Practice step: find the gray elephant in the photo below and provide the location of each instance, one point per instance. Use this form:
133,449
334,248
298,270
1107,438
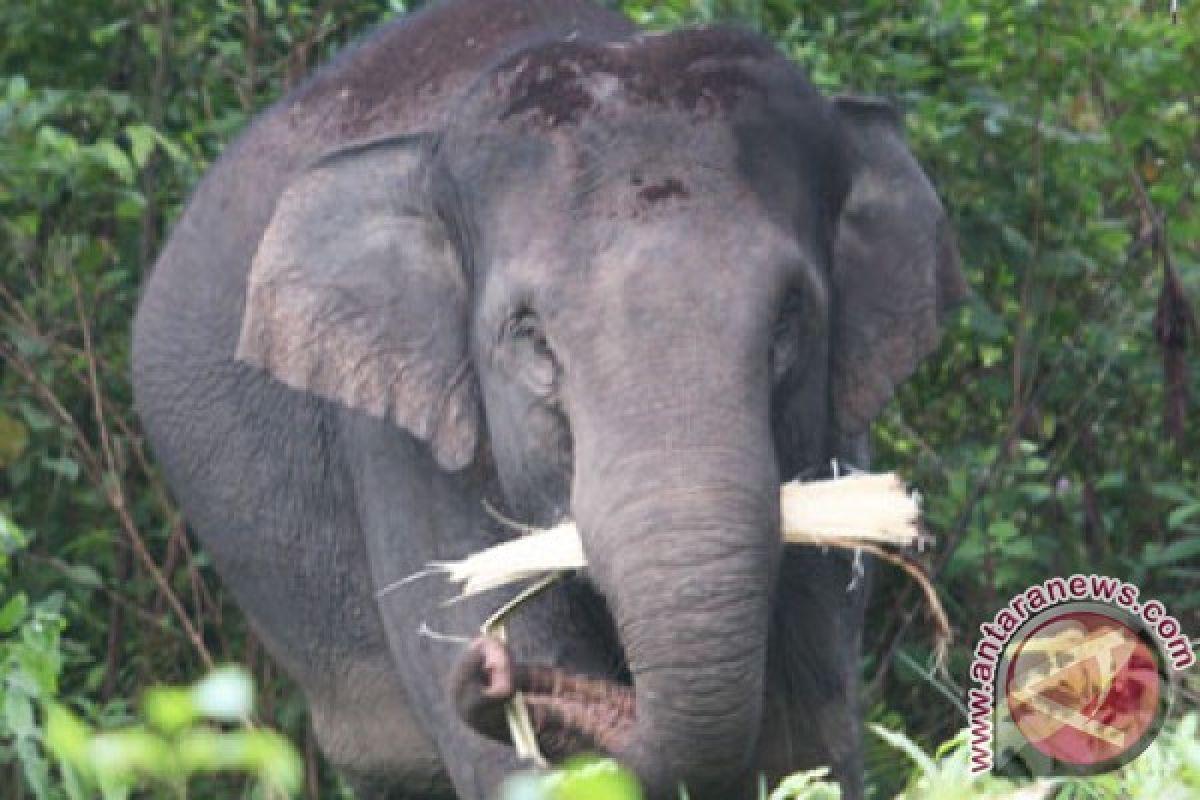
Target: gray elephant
517,252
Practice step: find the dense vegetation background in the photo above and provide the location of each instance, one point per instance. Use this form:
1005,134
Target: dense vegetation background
1056,432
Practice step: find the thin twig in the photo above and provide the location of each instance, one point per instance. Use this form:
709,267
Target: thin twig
21,319
150,217
122,569
1022,331
1174,320
248,87
298,56
112,490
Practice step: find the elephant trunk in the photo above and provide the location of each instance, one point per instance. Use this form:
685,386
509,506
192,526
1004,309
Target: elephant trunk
683,544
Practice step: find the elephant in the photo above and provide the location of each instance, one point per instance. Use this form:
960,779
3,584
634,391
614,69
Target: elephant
519,254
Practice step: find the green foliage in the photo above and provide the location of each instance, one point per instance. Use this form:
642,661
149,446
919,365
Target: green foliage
604,779
61,756
1169,769
175,743
1055,134
579,779
810,785
31,663
1062,137
109,114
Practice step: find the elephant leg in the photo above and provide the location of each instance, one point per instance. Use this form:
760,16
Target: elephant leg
364,726
814,670
367,787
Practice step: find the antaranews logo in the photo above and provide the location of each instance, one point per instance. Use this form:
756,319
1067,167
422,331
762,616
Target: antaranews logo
1073,677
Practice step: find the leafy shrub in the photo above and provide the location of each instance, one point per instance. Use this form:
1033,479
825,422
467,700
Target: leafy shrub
186,732
1169,769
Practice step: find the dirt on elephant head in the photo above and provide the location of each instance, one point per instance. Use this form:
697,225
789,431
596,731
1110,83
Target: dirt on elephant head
558,84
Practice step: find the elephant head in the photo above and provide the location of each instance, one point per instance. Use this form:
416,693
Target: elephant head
642,282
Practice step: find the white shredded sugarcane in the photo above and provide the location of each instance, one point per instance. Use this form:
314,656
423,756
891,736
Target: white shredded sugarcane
850,511
557,549
856,508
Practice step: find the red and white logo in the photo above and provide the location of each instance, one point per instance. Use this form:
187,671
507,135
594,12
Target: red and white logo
1073,676
1084,688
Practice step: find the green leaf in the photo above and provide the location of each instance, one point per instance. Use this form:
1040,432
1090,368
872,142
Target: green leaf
66,735
71,782
18,713
85,575
34,767
12,538
1177,552
1036,492
169,709
36,419
118,756
66,467
1175,492
173,150
1177,518
1002,529
131,205
587,778
985,322
142,141
57,144
907,746
106,33
276,762
14,438
115,159
812,784
18,88
13,612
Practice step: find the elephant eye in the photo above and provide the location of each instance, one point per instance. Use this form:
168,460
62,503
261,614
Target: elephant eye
525,328
535,362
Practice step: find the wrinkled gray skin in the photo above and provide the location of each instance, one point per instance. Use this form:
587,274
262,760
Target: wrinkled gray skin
519,251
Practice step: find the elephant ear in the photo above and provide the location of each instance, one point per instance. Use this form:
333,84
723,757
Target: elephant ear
896,268
357,294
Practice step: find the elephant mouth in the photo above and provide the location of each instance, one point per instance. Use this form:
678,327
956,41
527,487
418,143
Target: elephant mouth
570,713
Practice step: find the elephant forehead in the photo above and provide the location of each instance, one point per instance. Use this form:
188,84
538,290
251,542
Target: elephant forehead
562,84
587,184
